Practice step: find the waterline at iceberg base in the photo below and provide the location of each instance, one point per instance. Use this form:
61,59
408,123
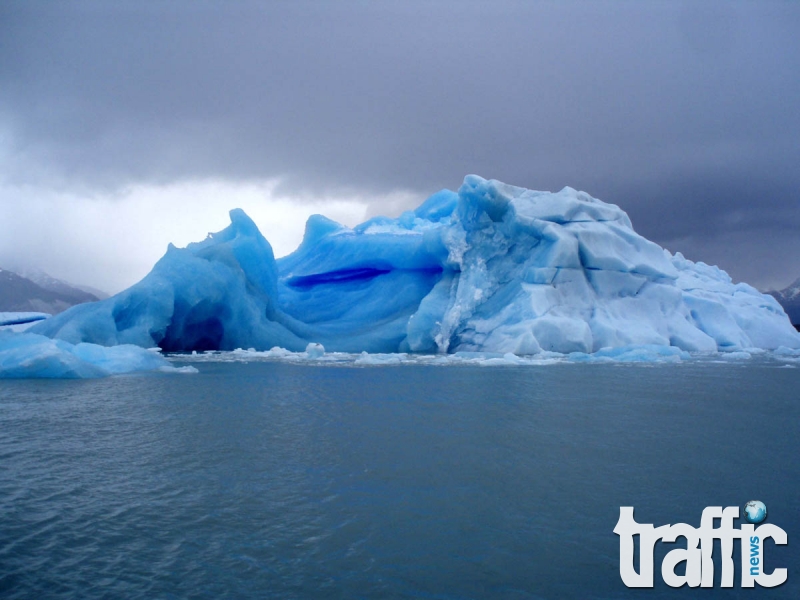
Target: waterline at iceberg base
491,268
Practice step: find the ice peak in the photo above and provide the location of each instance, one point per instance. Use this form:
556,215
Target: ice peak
243,224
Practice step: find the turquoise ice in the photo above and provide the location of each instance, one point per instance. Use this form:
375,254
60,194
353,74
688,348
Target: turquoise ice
491,268
26,355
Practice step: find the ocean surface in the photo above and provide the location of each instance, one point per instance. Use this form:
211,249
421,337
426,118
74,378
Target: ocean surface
267,479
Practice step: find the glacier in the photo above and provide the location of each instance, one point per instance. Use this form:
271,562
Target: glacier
491,268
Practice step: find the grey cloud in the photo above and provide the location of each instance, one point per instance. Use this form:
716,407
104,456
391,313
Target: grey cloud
682,113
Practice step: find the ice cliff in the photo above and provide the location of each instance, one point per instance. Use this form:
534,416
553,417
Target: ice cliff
491,268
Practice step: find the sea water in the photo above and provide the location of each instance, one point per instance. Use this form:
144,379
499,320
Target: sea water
268,479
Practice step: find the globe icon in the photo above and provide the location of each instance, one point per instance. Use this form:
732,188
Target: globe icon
755,511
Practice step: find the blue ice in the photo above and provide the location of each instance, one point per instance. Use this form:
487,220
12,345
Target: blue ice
490,268
9,319
27,355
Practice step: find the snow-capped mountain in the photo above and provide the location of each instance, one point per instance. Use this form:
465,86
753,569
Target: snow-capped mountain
789,298
47,295
44,280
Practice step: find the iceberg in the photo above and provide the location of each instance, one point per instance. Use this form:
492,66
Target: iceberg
491,268
27,355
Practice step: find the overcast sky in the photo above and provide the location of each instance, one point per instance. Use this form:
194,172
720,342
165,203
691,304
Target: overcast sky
124,126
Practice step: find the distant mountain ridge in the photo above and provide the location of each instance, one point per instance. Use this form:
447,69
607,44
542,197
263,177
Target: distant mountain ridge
44,294
44,280
789,298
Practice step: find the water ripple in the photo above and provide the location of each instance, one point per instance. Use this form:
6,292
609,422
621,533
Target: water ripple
292,481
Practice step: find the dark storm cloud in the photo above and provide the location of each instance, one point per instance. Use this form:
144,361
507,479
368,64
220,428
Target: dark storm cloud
683,114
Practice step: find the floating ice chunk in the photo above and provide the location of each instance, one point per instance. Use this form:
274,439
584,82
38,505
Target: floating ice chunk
633,354
315,350
784,351
278,352
491,268
737,355
508,358
27,355
379,359
186,370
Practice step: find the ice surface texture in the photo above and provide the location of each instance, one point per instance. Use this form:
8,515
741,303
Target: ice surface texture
24,355
492,268
8,319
